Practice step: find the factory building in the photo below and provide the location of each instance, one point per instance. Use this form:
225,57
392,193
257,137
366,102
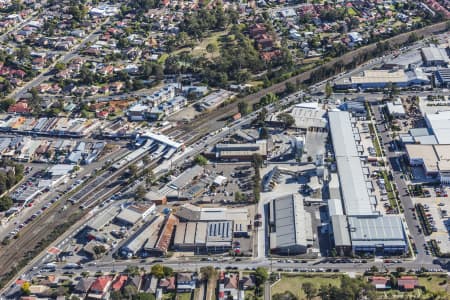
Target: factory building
443,77
439,124
433,56
242,152
308,116
396,109
204,237
292,227
380,235
380,79
357,226
130,215
435,160
209,229
355,194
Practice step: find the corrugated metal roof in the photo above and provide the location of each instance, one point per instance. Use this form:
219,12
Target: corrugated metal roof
292,222
340,230
387,230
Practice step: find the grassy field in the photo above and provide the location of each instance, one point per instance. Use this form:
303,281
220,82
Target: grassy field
200,49
294,283
434,283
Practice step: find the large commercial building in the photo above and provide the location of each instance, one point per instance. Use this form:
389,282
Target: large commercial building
435,160
357,226
443,77
433,56
379,79
307,116
355,194
209,229
439,124
239,151
292,225
380,234
204,237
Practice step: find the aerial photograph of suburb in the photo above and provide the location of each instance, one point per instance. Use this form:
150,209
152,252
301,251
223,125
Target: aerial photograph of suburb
224,149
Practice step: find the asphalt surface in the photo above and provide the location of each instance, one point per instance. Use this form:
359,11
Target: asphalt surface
405,200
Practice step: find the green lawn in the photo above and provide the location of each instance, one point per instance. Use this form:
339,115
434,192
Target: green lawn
177,296
293,283
184,296
200,49
435,283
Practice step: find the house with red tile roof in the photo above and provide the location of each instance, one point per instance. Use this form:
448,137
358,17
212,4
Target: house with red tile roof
99,289
407,283
20,107
119,282
380,282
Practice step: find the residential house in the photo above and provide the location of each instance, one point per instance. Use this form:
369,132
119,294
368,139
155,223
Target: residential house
134,281
407,283
20,107
167,284
149,284
185,282
82,287
119,283
100,288
228,286
380,282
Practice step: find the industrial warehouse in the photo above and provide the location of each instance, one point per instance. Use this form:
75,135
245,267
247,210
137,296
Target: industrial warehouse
380,79
210,229
293,229
357,226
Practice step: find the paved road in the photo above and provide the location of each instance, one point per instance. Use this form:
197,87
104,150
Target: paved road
406,201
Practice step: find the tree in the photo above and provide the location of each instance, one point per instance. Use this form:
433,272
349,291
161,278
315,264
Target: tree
262,114
60,66
116,295
373,269
238,197
288,295
129,291
5,104
328,89
261,275
287,119
25,288
5,203
168,271
133,169
157,271
309,289
211,48
243,108
290,88
132,270
144,296
200,160
400,269
140,192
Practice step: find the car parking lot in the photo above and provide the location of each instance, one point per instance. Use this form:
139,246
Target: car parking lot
239,180
436,213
